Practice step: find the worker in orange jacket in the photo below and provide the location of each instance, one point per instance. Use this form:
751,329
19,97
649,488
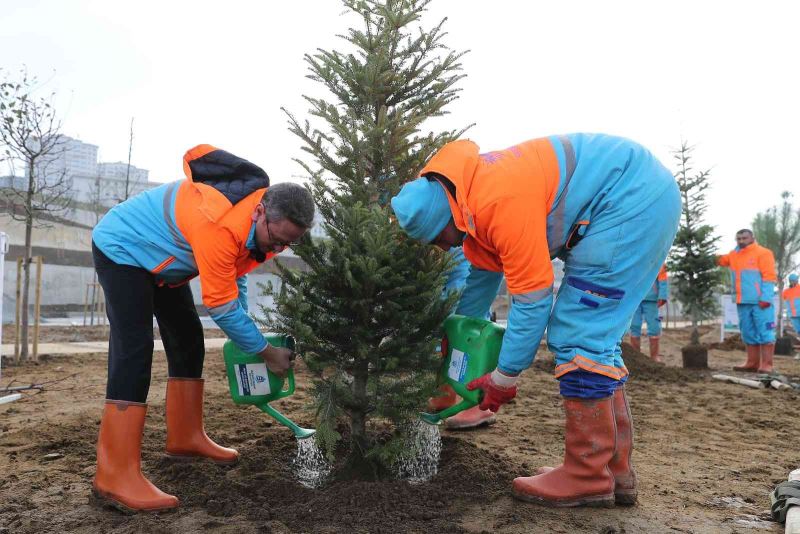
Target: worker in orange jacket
792,298
220,223
610,210
648,311
753,280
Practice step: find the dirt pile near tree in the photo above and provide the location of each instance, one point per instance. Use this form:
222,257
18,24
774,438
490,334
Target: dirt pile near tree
730,343
639,365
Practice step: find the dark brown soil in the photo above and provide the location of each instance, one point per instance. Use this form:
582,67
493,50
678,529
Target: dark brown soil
695,357
707,455
784,346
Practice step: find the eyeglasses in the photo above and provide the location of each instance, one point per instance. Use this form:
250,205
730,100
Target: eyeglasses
282,244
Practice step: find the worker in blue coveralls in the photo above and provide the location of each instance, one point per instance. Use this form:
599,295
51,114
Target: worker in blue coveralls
647,311
792,298
610,210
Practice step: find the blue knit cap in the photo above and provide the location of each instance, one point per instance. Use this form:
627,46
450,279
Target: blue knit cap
793,277
422,209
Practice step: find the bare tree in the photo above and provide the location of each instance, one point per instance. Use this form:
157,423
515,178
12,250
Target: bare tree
128,169
778,229
31,140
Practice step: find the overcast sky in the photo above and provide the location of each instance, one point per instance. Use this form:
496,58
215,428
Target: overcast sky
722,74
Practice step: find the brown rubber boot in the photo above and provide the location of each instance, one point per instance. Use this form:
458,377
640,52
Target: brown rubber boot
584,479
625,491
767,353
119,480
446,398
625,487
753,359
636,343
654,343
186,437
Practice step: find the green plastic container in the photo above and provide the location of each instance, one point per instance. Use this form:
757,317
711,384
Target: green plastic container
250,381
471,348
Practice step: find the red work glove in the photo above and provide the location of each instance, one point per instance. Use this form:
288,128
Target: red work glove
661,302
494,396
762,304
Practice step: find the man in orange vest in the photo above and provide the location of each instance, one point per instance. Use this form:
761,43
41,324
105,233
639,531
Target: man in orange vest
220,223
753,280
648,311
792,298
610,210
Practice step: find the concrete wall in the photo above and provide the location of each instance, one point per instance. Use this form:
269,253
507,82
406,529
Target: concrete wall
64,290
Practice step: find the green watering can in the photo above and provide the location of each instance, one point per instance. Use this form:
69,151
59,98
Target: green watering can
471,348
251,382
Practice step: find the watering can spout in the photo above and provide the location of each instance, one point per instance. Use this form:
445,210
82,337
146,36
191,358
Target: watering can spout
436,418
430,418
298,431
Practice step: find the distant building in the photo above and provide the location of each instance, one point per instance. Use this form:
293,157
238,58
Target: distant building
119,169
72,157
96,184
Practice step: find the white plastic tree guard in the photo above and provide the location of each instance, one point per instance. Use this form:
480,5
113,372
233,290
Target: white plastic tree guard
793,514
3,252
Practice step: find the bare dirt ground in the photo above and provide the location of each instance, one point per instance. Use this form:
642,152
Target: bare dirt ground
59,333
707,454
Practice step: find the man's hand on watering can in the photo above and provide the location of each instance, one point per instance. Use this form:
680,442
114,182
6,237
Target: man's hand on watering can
278,359
498,388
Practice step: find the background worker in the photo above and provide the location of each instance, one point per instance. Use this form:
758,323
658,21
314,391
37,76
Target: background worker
220,223
610,210
792,298
649,311
753,279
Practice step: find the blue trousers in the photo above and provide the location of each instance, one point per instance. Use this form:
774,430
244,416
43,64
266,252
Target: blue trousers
756,325
607,275
647,311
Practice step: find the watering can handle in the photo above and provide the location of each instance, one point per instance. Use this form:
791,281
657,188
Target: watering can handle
290,389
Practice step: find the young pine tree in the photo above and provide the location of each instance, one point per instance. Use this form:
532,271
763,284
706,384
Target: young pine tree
692,260
368,310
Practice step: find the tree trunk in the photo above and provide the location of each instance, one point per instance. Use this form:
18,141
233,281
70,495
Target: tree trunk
26,263
695,337
359,442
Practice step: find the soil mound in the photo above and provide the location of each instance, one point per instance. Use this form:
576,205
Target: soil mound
641,367
731,343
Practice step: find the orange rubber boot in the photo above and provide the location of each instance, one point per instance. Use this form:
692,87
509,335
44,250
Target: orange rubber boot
186,437
119,480
767,353
654,343
471,418
584,479
444,400
636,343
753,359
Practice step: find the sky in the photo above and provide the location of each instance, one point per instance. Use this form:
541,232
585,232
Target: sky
721,74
